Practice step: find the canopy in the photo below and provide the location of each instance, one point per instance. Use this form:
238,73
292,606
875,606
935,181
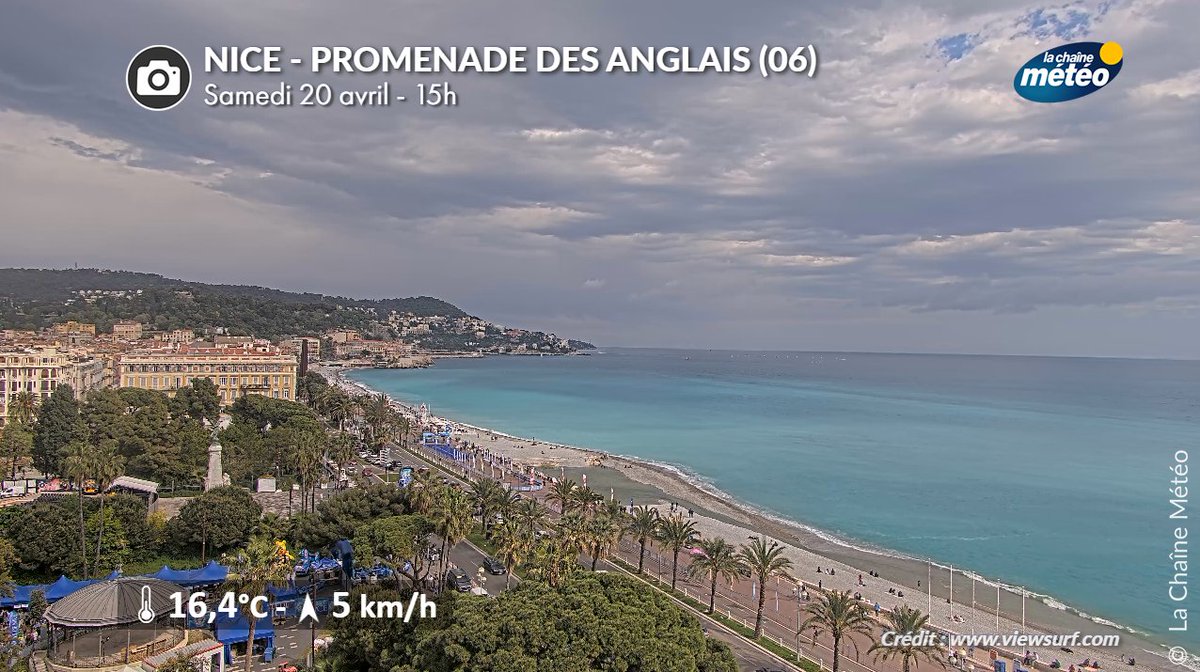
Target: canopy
284,593
20,596
64,587
211,573
234,630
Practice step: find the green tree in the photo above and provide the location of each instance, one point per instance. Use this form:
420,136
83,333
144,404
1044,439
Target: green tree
840,615
720,560
676,533
764,561
22,409
251,570
643,526
198,401
905,620
58,426
37,605
340,515
16,443
46,538
110,535
488,496
400,543
107,466
514,543
531,513
77,466
562,492
8,560
592,622
602,534
218,519
452,521
179,664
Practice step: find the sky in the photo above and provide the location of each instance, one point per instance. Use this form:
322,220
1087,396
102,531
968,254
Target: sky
904,199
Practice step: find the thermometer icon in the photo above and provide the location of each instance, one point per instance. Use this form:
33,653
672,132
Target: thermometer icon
146,613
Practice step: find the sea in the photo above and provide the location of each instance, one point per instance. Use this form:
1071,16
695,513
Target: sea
1048,473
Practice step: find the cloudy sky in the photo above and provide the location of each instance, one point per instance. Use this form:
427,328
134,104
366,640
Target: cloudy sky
903,200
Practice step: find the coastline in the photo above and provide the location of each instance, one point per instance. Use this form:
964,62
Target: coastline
721,514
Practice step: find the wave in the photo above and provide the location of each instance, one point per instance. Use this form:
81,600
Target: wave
706,485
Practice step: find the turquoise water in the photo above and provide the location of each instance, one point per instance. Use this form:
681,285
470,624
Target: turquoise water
1050,473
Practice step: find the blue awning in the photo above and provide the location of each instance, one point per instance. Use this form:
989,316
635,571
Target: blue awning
235,630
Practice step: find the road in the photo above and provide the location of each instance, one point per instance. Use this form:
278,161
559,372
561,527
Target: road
749,656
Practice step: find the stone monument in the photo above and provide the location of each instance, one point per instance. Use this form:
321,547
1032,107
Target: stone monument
216,473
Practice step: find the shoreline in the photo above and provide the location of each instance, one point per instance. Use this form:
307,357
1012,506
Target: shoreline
721,514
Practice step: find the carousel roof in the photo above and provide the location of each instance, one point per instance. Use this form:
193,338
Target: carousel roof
113,602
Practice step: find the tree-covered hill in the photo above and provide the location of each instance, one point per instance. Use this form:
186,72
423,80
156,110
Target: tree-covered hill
36,298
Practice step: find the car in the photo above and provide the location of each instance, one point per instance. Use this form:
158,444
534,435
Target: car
458,580
9,492
493,566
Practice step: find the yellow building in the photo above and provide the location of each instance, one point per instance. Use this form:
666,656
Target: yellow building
236,371
73,327
39,370
127,331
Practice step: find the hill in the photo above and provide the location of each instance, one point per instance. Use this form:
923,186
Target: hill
37,298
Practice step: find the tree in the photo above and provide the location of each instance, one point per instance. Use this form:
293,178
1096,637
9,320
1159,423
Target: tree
719,560
452,520
592,622
251,570
199,401
601,535
675,533
77,466
514,543
16,443
488,495
562,493
37,605
58,426
179,664
107,466
531,513
905,620
110,535
340,515
22,409
643,526
8,560
400,543
220,519
46,538
764,562
840,615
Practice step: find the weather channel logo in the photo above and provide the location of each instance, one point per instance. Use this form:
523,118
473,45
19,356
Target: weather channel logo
1069,72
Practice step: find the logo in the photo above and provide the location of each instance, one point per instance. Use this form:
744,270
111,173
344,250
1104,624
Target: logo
1069,72
158,78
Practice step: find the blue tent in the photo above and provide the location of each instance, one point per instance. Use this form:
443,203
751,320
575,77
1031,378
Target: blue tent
179,576
63,587
20,596
235,630
212,573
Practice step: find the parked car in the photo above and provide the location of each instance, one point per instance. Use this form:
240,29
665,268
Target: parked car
9,492
458,580
493,566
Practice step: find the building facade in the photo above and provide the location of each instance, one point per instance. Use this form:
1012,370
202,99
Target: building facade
127,331
39,370
236,371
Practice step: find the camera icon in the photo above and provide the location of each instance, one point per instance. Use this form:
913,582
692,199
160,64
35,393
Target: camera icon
158,77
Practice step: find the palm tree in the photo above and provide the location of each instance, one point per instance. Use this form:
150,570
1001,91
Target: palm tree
720,559
452,520
764,562
514,543
555,558
307,457
675,533
22,409
643,526
337,406
251,569
531,513
586,500
905,620
840,615
341,449
107,466
487,495
602,534
562,493
77,466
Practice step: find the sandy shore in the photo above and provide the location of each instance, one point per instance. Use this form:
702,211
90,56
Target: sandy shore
717,514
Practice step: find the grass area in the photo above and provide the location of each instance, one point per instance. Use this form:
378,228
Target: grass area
736,626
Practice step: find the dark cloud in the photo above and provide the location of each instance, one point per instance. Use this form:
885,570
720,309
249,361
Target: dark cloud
906,187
